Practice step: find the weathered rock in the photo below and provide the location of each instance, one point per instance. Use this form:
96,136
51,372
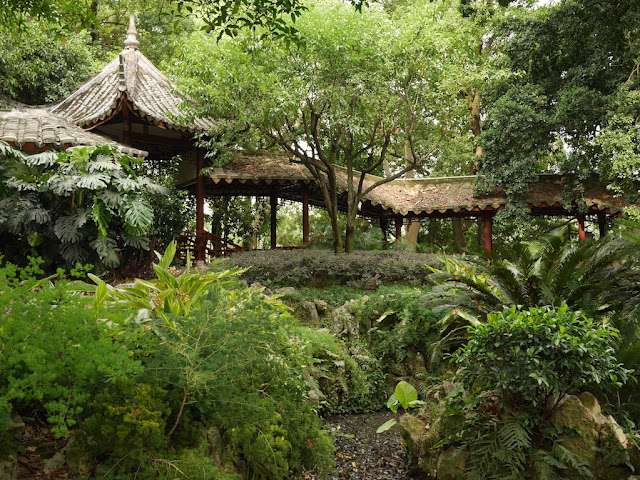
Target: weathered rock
588,400
54,463
261,288
16,424
314,397
9,467
581,428
286,291
412,430
614,443
451,463
306,312
321,306
344,323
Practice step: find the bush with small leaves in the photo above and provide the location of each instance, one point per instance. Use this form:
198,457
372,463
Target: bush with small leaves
532,358
366,269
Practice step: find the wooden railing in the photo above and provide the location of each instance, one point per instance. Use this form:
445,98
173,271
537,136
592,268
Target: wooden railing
211,245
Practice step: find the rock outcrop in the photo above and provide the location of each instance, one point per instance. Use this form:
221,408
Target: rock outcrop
586,433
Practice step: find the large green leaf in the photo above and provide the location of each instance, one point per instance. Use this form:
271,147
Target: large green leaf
137,215
406,394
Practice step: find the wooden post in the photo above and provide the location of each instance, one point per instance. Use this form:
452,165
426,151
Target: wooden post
200,243
274,219
305,214
488,237
384,225
399,220
582,235
602,224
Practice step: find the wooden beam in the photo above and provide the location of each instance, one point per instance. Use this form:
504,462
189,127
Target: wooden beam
126,121
200,252
305,214
159,140
274,219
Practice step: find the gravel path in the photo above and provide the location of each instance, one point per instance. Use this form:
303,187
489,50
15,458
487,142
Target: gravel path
361,454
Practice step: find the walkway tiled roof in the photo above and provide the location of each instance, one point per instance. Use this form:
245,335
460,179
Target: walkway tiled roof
152,95
415,197
42,128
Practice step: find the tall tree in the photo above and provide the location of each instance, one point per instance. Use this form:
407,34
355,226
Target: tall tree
572,59
358,90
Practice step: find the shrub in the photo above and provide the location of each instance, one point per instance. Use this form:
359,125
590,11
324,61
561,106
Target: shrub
55,350
323,267
532,358
516,368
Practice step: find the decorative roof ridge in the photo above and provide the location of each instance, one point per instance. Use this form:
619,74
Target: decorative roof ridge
132,35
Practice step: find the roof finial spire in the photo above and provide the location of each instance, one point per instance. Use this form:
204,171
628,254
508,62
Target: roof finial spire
132,35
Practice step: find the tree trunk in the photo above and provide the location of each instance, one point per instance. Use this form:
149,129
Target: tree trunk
458,235
350,238
474,107
411,233
413,226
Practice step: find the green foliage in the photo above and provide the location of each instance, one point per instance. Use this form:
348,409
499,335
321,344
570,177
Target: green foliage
567,109
39,66
168,297
530,359
347,379
591,276
322,267
55,350
128,421
405,396
71,207
231,363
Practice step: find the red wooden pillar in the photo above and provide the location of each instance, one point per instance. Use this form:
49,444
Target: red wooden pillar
602,224
399,221
274,219
305,214
487,222
200,233
582,235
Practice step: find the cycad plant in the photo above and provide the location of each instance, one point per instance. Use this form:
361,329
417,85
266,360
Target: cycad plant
589,276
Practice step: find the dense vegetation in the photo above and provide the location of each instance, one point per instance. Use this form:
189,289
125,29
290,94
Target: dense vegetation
227,373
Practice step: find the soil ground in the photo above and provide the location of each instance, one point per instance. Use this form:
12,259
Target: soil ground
361,453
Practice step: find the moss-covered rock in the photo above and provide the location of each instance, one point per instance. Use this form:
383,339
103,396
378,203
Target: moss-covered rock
452,463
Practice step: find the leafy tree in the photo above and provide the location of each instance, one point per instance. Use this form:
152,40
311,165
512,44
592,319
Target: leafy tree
573,60
38,66
358,91
84,204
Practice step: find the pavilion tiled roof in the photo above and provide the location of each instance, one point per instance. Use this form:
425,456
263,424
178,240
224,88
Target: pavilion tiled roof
151,94
42,128
415,197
